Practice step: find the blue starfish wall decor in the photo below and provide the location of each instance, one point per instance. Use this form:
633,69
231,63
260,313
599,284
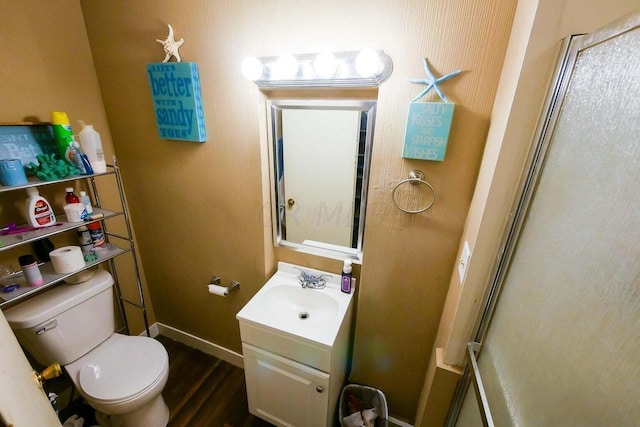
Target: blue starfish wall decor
432,82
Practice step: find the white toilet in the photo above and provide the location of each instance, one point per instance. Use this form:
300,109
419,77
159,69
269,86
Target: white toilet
121,376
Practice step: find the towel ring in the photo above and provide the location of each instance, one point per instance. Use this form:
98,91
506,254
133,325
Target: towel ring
416,177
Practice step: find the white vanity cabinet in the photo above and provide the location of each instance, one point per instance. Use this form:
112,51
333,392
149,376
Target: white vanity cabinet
283,391
117,244
296,350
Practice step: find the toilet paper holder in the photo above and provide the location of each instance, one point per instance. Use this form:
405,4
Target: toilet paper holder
215,280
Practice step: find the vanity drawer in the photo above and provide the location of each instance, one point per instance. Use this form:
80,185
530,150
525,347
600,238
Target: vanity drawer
302,351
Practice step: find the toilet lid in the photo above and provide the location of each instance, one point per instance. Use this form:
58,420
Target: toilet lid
122,367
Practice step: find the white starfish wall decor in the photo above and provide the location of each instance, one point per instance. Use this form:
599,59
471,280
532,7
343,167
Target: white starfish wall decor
171,46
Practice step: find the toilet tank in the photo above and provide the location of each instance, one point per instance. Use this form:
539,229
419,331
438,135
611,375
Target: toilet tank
64,323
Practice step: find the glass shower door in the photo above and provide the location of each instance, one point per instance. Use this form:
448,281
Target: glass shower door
562,347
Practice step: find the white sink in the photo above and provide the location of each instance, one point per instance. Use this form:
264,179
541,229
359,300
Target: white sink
282,304
297,304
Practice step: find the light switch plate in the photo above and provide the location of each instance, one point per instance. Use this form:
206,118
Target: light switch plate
463,261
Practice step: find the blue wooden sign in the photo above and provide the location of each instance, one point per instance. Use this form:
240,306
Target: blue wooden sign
25,141
428,125
175,91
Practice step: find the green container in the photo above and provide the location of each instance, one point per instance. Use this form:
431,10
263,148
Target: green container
62,133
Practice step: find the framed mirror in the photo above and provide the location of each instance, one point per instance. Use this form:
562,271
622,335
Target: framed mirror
320,159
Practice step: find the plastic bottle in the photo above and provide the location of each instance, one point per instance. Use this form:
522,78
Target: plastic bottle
97,236
79,158
92,146
62,133
86,201
30,270
84,238
70,197
345,284
39,211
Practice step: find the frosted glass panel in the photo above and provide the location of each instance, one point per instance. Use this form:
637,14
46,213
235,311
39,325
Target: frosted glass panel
469,413
563,348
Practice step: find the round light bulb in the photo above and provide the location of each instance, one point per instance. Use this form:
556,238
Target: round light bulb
325,65
252,68
285,68
368,63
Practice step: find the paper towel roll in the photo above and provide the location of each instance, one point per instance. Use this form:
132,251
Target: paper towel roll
67,259
219,290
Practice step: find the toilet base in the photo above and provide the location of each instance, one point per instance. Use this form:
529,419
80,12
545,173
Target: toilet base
153,414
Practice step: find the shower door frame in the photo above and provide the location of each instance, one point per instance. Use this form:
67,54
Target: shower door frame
569,52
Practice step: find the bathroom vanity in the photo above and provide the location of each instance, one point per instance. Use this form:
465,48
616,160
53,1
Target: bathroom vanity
295,343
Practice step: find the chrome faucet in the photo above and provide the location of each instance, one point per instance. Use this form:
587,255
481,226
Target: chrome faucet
308,280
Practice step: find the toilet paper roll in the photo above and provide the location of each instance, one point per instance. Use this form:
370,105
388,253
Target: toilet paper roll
221,291
67,259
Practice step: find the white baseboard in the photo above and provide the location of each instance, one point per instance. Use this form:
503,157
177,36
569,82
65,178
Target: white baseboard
398,422
153,331
197,343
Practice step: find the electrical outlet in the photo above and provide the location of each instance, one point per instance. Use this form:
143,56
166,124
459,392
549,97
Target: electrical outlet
463,261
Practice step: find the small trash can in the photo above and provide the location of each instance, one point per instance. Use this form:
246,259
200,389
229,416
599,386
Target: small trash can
361,398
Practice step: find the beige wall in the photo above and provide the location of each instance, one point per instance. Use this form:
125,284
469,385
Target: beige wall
198,208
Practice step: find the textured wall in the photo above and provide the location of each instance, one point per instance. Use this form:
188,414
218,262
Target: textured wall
198,208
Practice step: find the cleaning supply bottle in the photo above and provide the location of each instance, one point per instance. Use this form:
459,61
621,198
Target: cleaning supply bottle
97,236
80,159
345,284
86,201
62,133
92,146
86,243
70,197
39,211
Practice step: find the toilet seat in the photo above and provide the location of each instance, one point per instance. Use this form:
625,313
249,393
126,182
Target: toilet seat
120,369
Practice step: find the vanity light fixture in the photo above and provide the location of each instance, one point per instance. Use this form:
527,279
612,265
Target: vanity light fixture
366,68
325,65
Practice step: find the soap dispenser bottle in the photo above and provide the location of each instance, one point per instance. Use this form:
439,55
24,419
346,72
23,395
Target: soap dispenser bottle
80,159
345,284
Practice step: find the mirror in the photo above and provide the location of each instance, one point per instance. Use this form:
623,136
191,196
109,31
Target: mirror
320,156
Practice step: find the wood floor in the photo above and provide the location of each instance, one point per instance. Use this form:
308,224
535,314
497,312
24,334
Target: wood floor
205,391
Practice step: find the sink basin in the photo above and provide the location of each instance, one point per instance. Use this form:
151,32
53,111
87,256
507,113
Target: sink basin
283,305
297,304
